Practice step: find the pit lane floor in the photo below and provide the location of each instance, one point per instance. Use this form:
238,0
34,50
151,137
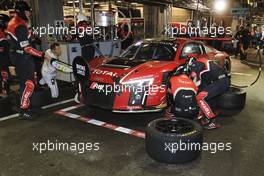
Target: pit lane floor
124,155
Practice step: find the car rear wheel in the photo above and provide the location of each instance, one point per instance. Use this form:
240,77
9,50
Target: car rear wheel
166,140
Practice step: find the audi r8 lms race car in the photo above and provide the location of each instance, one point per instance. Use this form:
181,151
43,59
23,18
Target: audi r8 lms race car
137,80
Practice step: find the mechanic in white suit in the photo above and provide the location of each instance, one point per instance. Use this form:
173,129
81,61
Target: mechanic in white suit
50,67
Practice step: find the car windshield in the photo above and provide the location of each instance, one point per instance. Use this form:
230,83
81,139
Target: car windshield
160,51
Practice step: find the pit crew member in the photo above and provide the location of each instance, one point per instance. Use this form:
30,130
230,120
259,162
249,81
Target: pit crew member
85,38
21,54
212,81
50,67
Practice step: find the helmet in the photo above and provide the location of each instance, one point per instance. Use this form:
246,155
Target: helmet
21,7
4,19
81,17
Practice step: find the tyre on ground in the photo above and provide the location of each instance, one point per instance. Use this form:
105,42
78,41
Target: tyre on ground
174,141
233,99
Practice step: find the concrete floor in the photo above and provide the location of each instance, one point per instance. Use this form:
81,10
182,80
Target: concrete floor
124,155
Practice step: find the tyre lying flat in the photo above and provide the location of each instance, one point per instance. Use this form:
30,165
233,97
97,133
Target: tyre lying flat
164,138
233,99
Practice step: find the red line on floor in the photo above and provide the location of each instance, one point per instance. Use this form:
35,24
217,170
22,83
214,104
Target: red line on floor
99,123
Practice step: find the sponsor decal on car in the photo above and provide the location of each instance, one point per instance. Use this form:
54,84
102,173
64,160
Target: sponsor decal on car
104,72
96,86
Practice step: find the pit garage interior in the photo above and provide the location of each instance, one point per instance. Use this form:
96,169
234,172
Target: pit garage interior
78,139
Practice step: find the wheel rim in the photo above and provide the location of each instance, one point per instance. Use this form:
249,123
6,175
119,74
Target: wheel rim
177,126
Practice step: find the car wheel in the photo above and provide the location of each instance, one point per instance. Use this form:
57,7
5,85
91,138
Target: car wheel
5,106
164,138
233,99
81,70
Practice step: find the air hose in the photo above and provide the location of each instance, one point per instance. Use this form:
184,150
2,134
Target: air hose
258,76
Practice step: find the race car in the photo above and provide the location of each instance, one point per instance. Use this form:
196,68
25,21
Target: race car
137,80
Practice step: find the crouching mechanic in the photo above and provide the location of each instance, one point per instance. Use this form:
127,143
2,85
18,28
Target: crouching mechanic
50,67
212,80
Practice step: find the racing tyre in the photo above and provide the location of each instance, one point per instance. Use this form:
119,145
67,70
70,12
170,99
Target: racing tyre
5,106
233,99
81,70
169,141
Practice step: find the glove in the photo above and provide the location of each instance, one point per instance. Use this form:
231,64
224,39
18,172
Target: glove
61,67
195,78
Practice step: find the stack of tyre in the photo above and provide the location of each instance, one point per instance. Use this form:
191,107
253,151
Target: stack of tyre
179,140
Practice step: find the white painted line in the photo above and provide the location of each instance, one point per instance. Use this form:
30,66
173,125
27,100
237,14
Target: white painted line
9,117
124,130
106,125
96,122
241,74
58,103
73,116
43,107
71,108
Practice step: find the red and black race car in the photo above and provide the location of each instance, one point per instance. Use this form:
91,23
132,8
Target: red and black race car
136,81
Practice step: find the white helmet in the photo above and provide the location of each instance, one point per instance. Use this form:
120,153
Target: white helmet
81,17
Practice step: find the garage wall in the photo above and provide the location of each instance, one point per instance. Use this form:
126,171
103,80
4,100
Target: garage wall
151,17
44,14
180,15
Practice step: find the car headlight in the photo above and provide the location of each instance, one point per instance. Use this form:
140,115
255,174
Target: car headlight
138,91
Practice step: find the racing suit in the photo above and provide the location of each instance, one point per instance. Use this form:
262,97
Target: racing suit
86,41
49,72
21,55
212,81
184,93
4,62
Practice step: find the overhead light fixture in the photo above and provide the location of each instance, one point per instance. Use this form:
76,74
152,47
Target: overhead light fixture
88,3
71,2
220,6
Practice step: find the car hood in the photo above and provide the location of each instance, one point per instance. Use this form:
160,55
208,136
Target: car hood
121,70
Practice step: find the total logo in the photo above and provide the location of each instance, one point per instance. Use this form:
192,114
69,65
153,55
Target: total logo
205,108
106,73
97,86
